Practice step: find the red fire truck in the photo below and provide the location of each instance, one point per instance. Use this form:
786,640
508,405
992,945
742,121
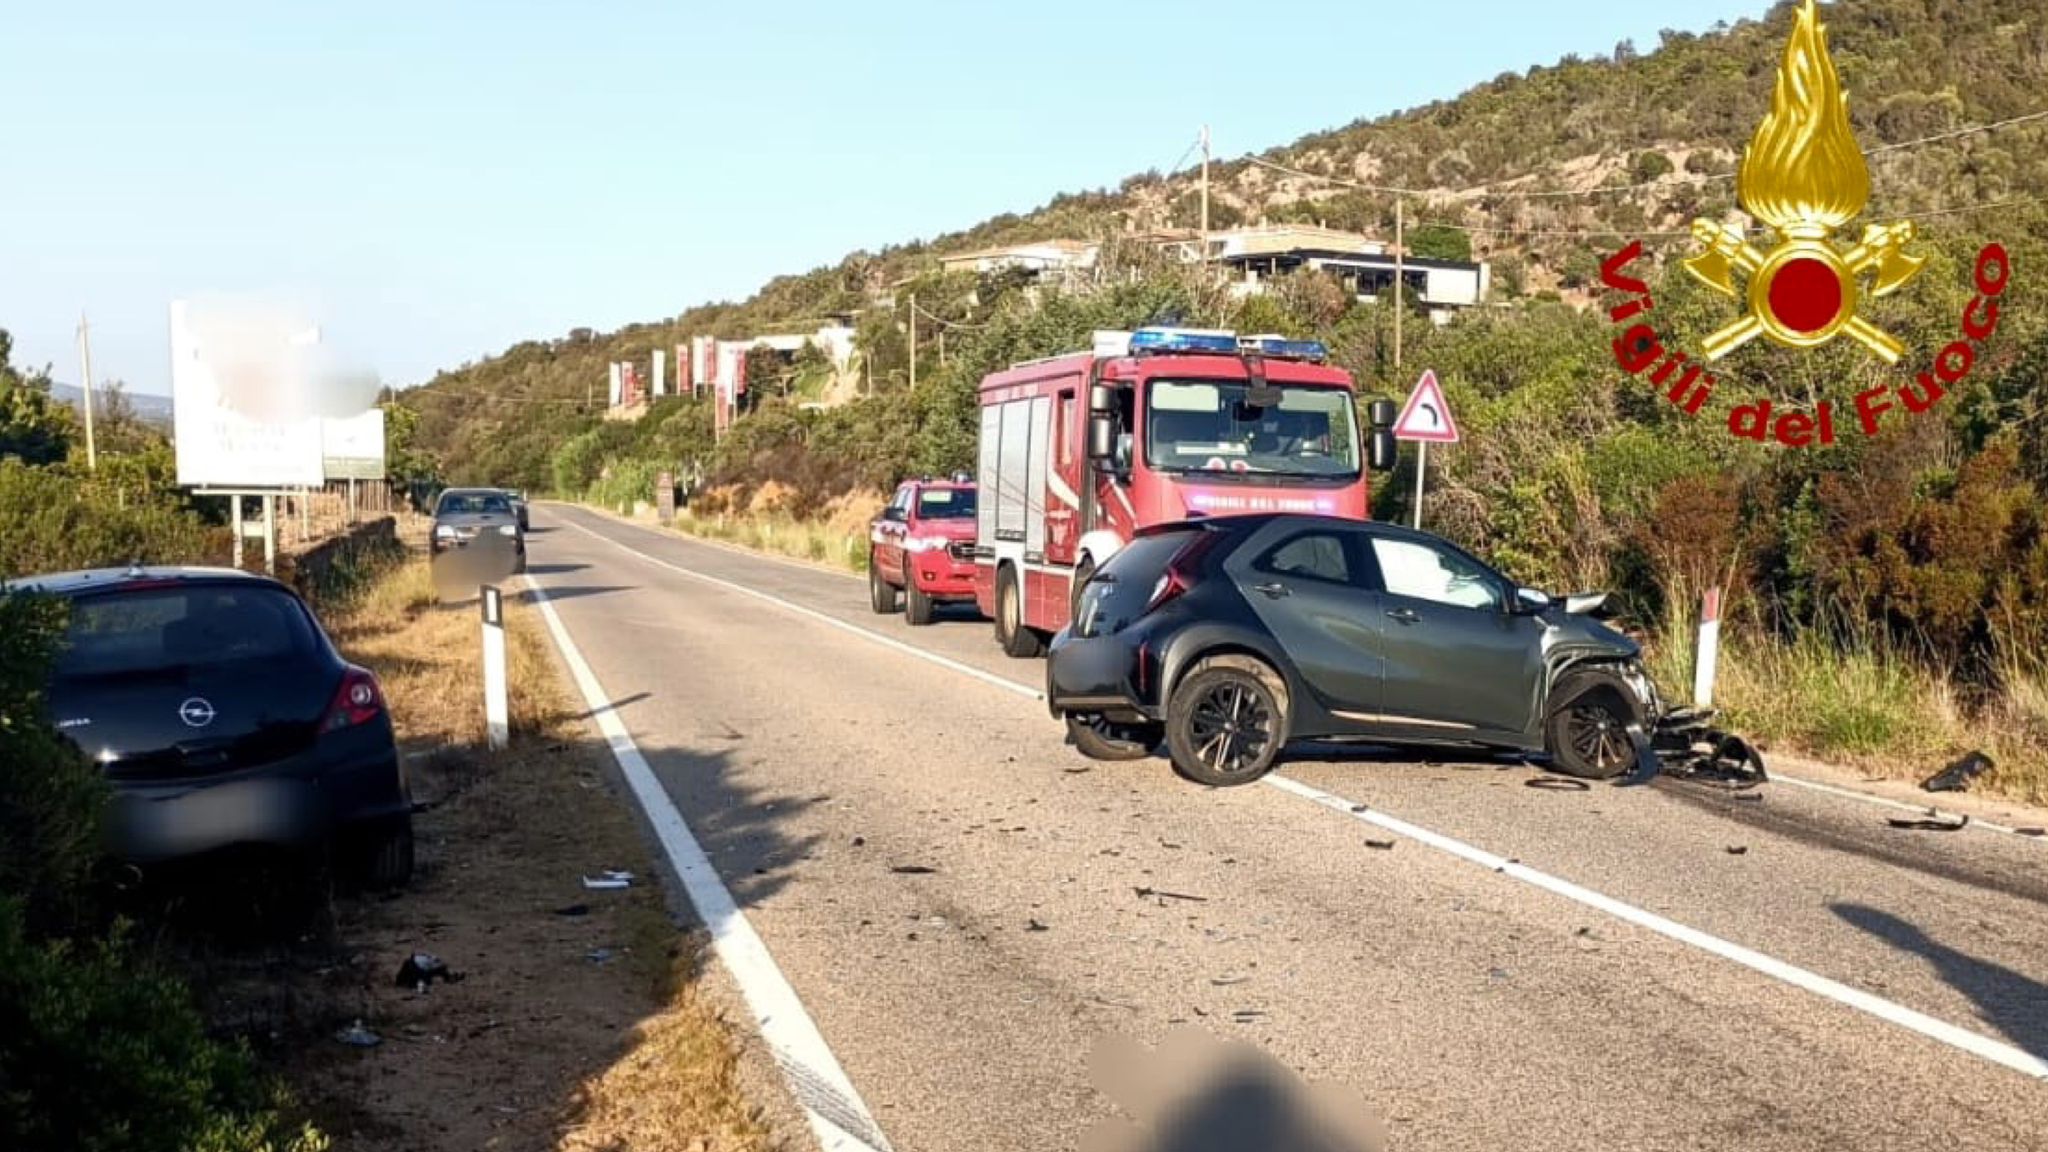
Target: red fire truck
1079,451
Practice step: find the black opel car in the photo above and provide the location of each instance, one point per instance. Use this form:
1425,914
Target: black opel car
222,715
1228,638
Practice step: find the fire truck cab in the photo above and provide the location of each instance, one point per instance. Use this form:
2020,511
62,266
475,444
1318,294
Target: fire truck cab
1077,452
922,546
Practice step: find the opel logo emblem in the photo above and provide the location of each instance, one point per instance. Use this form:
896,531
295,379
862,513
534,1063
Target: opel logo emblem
196,713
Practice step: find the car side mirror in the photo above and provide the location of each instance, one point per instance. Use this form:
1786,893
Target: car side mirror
1528,602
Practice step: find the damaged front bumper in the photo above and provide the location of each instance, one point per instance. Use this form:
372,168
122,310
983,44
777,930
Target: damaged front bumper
1685,743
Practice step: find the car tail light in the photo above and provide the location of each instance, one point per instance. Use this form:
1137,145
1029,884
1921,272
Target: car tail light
359,701
1180,571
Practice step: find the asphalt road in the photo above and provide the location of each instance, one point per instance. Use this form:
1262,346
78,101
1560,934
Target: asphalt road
1492,965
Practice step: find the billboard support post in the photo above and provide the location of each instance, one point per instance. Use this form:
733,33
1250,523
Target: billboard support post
235,516
270,533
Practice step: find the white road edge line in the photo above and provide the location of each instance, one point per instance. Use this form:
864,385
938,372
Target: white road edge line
1888,802
838,1116
726,546
1897,1014
1946,1033
833,621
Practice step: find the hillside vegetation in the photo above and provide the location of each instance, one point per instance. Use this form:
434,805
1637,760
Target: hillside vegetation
1889,593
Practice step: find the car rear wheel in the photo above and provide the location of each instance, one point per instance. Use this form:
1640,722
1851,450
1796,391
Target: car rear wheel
1100,739
1588,731
1016,639
1226,722
384,855
881,595
920,611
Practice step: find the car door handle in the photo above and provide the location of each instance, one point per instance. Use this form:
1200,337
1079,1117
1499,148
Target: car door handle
1404,615
1271,591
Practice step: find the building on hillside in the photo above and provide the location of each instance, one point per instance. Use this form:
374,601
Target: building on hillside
1056,260
1256,254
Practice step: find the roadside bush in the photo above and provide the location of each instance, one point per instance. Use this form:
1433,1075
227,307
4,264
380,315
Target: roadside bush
50,799
54,521
99,1052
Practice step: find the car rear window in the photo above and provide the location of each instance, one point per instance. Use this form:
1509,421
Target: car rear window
1148,556
180,627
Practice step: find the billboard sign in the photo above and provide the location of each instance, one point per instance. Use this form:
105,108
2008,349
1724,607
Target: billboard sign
234,421
353,449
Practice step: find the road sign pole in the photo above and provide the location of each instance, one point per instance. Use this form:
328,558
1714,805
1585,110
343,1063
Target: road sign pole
1421,468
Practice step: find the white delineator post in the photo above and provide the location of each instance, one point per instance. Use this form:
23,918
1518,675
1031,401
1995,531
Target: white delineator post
497,712
1709,649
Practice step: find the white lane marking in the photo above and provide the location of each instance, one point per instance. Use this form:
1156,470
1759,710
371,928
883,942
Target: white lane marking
1892,1013
1888,802
822,618
837,1115
722,546
1946,1033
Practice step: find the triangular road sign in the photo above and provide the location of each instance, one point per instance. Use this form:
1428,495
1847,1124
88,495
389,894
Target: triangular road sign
1427,416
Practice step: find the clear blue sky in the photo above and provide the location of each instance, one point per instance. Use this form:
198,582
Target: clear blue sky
439,180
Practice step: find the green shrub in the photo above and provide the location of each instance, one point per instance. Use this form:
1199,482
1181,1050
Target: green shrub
54,521
50,799
100,1052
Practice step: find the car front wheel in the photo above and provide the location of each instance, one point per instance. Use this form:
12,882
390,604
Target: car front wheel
1588,732
881,594
1100,739
919,613
1226,722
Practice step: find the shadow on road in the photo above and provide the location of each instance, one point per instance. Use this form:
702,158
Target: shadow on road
2013,1003
574,591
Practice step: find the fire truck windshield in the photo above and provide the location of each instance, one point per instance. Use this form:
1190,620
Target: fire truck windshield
1205,426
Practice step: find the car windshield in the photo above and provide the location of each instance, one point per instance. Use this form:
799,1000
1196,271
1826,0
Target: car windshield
173,628
1206,426
473,504
945,504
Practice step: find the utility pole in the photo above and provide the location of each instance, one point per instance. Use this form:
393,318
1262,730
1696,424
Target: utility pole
92,456
1400,287
1205,195
1400,239
913,341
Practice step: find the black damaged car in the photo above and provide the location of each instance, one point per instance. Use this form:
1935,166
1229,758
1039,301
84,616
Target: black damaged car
1226,639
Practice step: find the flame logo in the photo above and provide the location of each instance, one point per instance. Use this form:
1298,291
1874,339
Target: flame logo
1803,171
1804,175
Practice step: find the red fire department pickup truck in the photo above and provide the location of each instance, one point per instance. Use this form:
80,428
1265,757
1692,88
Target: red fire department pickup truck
1078,452
922,547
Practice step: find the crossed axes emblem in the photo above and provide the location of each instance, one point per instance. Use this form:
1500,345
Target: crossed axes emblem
1882,249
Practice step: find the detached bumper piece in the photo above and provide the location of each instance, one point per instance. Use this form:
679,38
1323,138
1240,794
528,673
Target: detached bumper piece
1686,745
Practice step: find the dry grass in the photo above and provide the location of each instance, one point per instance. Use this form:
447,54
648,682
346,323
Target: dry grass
1868,709
540,1047
834,542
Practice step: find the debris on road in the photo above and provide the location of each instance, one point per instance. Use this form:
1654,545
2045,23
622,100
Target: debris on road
573,910
421,969
599,955
912,870
609,880
1738,849
357,1036
1034,926
860,841
1558,784
1932,822
1958,776
2037,832
1163,897
1382,845
1227,981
